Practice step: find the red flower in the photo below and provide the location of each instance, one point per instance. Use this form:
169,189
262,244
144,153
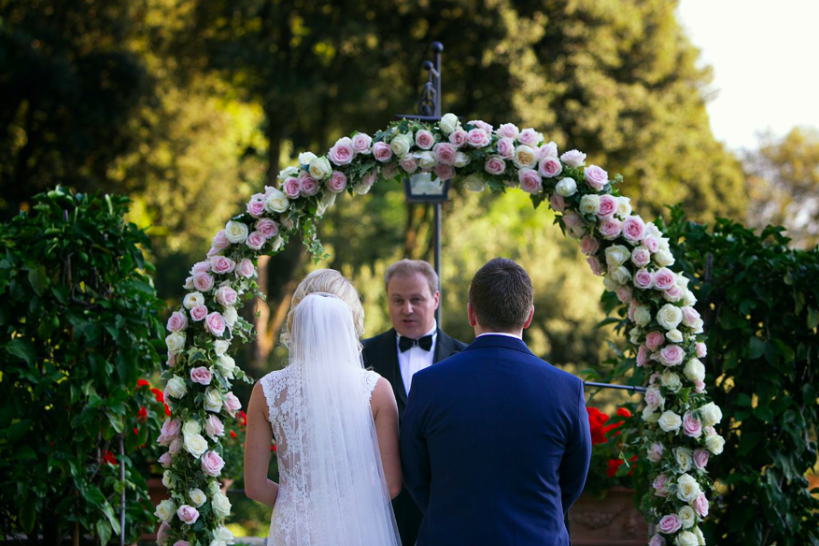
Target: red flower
241,417
167,410
135,432
623,412
614,464
596,420
273,448
142,383
158,395
232,434
108,458
142,414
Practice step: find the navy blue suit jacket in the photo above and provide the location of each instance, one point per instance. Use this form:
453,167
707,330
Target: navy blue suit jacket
495,447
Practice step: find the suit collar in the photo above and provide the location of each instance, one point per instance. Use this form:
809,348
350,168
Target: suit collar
504,342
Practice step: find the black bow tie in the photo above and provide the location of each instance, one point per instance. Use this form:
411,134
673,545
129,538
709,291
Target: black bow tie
405,343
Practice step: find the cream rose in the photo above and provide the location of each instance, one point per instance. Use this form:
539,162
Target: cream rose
710,414
175,342
195,444
674,335
168,478
683,456
590,204
449,123
230,315
225,364
401,145
686,538
621,275
236,232
566,187
670,421
642,315
663,258
670,380
197,497
212,401
276,201
306,157
191,427
617,255
687,517
220,346
623,209
714,443
669,316
166,510
687,488
221,505
694,370
223,533
524,157
192,299
474,183
176,387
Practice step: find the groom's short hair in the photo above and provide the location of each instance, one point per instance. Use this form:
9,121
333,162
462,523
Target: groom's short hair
407,268
501,295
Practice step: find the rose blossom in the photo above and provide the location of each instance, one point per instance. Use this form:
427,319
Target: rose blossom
444,153
342,153
337,182
691,426
220,265
530,181
449,123
690,316
495,165
162,533
673,294
634,229
699,386
267,228
550,167
308,186
175,447
165,460
188,514
169,431
557,202
177,321
245,269
181,543
548,150
670,524
226,296
652,244
595,266
664,278
701,506
255,240
214,427
656,540
529,137
482,125
640,256
232,403
319,169
610,229
659,486
702,351
596,177
366,183
589,245
444,172
655,452
642,356
572,219
700,458
215,324
201,375
672,355
606,206
361,143
508,130
409,164
212,464
654,340
382,152
477,138
424,139
506,147
290,187
623,294
573,158
203,282
458,137
255,207
220,241
524,157
199,312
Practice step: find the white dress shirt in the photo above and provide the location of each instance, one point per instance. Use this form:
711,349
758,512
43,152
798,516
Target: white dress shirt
506,334
415,358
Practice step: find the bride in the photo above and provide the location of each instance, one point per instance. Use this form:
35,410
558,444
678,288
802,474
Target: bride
335,425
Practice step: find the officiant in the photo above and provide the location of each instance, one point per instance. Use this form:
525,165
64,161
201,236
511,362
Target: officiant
414,342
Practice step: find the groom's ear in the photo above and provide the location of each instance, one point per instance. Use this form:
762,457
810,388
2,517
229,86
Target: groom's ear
470,315
529,319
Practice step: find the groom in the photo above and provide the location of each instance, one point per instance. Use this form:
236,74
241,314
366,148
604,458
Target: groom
414,343
495,443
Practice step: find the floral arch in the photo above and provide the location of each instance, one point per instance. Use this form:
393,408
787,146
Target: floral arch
665,332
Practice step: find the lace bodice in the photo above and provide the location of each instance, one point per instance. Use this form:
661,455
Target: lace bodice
292,522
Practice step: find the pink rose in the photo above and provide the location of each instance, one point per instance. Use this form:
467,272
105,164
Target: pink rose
201,375
608,205
226,296
308,186
458,137
655,452
589,245
220,241
643,279
495,165
171,362
169,432
623,294
610,229
177,321
508,130
290,187
654,340
701,506
215,323
367,181
642,358
631,308
255,207
181,543
670,524
692,426
245,269
654,379
255,240
232,403
672,355
557,202
699,386
529,137
690,315
664,278
212,464
674,293
382,152
652,244
342,153
573,158
267,228
548,150
199,312
634,229
201,267
361,143
220,265
702,350
188,514
165,460
477,138
572,219
337,182
656,540
424,139
175,447
596,177
550,167
659,486
506,148
530,181
162,533
389,171
214,427
482,125
409,164
700,458
444,172
445,153
595,266
640,256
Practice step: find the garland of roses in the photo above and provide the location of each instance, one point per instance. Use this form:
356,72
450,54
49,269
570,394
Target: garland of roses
665,332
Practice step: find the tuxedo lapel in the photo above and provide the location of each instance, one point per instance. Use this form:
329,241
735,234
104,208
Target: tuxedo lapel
445,347
388,353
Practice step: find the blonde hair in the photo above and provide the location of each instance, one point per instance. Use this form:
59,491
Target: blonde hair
328,281
406,268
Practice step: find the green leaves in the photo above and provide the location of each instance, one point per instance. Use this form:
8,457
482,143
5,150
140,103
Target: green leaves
22,349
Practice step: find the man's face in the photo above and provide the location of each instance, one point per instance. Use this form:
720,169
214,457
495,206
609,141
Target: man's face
412,306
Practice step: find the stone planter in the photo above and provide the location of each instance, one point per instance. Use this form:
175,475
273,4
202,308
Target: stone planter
611,521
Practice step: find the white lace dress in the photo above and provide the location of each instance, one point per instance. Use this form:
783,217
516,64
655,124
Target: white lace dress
294,521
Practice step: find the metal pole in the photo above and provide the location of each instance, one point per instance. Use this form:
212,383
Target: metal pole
610,386
438,260
122,493
437,48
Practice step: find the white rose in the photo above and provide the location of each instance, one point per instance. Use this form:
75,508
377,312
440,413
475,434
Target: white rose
671,381
401,145
426,160
617,255
176,387
327,200
175,343
649,416
714,443
674,335
474,183
670,421
191,427
700,537
305,158
710,414
192,299
216,542
276,201
449,123
223,533
623,209
642,315
566,187
195,444
685,538
220,346
662,243
689,298
212,401
461,160
634,335
577,232
214,488
694,370
590,204
166,510
610,284
225,364
687,517
524,157
288,172
168,478
621,275
687,488
663,258
669,316
197,497
230,315
221,505
236,232
683,457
